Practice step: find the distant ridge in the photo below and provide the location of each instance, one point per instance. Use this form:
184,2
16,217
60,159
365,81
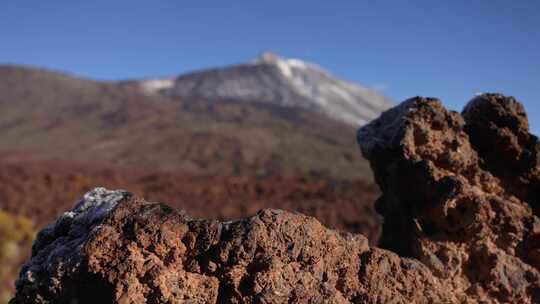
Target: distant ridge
51,116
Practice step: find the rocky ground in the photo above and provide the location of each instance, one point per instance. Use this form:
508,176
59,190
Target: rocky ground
460,206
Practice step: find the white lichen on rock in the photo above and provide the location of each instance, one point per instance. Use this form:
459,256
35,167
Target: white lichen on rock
95,205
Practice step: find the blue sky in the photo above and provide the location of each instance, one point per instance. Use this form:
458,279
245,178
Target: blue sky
446,49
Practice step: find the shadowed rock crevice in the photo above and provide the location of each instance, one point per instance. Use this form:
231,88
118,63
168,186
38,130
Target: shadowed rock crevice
97,290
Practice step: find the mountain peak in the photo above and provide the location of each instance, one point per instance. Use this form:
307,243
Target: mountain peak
280,81
284,64
269,57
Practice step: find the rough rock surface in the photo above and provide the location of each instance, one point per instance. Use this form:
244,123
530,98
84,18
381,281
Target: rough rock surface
143,252
458,191
499,131
461,228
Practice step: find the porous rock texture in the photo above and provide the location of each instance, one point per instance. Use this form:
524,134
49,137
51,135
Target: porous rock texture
116,248
459,193
461,228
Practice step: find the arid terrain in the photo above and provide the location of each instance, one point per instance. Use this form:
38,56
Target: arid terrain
52,116
62,135
41,192
240,152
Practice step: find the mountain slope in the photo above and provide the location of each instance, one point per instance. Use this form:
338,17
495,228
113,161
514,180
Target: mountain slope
51,116
273,80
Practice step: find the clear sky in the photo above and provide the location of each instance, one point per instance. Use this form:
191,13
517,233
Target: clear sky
446,49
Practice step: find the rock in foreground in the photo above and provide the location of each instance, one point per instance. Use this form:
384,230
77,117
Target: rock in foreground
115,248
463,229
459,193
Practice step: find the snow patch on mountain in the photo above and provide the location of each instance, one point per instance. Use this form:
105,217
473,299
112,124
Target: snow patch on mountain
279,81
155,85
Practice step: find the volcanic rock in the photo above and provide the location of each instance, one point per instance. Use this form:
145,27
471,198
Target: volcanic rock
457,194
458,228
113,248
499,131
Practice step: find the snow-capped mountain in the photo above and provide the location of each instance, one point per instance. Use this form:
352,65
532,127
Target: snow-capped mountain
279,81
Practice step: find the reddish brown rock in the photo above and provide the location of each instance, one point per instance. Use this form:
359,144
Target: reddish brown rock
499,131
460,203
113,248
457,229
